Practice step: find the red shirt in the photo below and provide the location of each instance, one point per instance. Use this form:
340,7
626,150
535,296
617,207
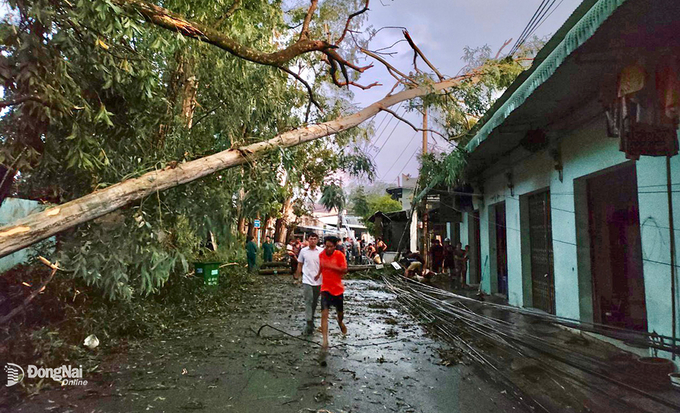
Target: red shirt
332,280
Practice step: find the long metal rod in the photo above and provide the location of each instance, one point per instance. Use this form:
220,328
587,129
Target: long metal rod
672,243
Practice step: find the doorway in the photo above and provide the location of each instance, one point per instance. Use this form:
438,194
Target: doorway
615,249
474,237
540,238
501,249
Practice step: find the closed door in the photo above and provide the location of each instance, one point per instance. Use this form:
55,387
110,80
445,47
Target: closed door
542,274
501,250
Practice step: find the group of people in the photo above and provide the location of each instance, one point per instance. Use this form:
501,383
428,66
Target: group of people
251,251
353,250
444,258
320,271
450,260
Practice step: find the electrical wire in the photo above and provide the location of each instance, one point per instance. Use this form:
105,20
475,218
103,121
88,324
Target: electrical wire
544,11
400,155
526,28
389,136
445,318
388,123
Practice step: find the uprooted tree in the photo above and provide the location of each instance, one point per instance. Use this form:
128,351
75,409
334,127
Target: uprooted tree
110,102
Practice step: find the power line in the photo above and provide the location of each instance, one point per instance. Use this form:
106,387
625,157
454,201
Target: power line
388,123
406,164
538,21
388,138
544,11
548,16
526,28
402,153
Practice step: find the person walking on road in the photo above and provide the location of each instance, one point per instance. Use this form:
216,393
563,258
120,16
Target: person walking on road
332,267
251,253
308,268
268,249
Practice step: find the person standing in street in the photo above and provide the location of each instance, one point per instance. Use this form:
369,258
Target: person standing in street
437,252
332,267
464,268
356,251
308,268
293,249
380,248
449,263
268,249
339,245
251,253
348,250
459,261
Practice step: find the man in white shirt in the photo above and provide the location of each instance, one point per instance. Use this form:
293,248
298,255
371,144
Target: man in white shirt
308,267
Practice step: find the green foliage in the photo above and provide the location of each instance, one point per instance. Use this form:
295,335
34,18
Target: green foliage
365,205
383,203
333,197
443,170
359,203
458,111
116,97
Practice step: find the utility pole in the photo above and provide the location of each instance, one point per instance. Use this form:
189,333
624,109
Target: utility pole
425,218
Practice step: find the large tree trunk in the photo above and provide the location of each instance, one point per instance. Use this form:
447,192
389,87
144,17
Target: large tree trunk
281,232
42,225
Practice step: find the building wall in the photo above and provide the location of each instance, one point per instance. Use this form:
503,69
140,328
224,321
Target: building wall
583,152
11,210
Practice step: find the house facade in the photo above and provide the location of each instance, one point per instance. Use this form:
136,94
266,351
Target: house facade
576,209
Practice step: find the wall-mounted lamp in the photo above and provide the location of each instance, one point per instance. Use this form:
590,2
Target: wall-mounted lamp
508,176
556,156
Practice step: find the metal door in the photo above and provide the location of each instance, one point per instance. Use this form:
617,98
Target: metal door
542,273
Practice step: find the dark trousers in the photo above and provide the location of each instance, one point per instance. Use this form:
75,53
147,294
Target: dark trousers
310,293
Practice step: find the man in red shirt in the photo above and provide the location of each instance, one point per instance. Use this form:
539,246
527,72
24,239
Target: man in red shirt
332,267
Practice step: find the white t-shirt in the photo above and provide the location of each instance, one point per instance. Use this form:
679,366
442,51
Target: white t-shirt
309,258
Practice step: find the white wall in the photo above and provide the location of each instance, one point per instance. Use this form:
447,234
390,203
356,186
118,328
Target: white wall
11,210
583,152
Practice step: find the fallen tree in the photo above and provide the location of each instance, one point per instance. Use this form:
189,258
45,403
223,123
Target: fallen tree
42,225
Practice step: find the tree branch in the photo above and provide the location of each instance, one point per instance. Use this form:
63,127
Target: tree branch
229,13
391,69
349,20
419,52
507,42
174,22
415,128
304,33
310,91
16,310
22,99
44,224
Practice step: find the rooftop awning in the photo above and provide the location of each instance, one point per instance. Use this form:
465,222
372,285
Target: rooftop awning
573,72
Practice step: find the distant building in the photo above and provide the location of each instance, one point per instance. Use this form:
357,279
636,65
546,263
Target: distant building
403,192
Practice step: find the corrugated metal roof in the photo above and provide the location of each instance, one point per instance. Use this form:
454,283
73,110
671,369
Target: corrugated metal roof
580,26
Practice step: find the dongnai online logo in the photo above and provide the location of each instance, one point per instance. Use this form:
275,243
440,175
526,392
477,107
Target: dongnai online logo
66,375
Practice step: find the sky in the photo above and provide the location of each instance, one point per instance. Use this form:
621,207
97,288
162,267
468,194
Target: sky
441,29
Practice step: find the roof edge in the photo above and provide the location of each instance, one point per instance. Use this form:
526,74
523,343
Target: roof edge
578,34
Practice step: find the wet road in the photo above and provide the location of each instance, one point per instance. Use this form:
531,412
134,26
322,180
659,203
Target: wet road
385,364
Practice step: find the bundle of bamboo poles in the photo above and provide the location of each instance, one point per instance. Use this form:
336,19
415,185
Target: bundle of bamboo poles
491,340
